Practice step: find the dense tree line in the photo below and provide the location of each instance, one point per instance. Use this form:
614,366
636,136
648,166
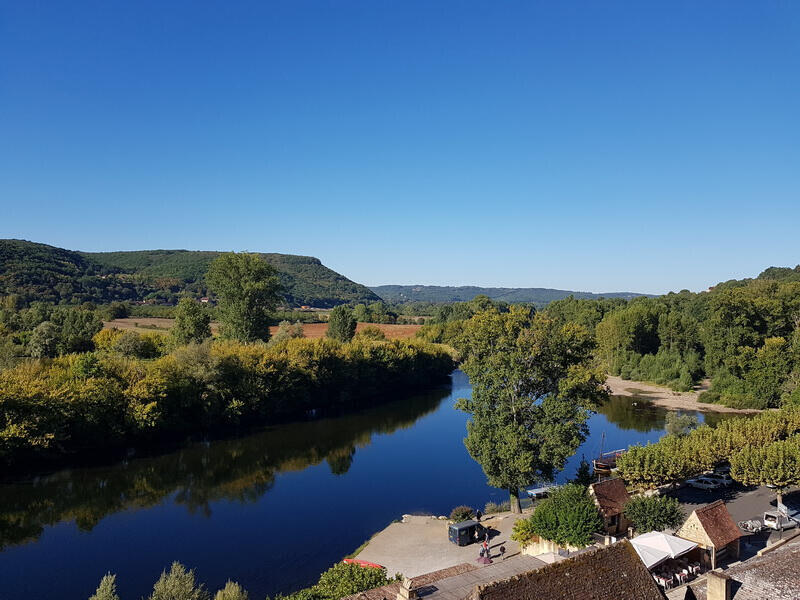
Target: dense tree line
744,335
110,397
764,449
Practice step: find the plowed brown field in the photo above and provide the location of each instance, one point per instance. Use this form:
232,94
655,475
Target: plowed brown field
311,330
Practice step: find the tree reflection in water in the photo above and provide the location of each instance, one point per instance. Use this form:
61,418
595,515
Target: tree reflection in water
242,469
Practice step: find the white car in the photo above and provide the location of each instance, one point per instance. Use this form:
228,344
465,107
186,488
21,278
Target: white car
703,483
721,478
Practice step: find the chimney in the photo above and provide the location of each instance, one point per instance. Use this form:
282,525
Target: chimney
718,585
407,591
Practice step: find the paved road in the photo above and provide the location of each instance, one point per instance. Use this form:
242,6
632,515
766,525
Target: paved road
742,502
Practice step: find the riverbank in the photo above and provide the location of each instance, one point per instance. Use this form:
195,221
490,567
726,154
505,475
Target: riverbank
667,398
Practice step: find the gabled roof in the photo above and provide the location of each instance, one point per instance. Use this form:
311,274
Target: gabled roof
608,573
716,522
773,576
610,496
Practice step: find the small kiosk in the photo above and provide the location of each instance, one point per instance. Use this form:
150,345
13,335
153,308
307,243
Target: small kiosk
465,532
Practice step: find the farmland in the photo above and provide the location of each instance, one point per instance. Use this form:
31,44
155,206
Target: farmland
311,330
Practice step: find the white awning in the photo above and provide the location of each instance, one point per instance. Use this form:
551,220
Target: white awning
650,556
656,547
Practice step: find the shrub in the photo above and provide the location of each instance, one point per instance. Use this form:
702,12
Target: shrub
107,590
494,507
231,591
523,531
568,517
287,331
370,332
178,584
345,579
461,513
654,513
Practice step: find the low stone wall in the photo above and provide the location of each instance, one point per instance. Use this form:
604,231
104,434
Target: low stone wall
539,546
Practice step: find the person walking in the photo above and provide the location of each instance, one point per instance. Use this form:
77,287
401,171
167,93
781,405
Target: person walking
503,552
478,515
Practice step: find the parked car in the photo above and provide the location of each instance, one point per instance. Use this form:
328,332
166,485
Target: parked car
703,483
721,478
778,521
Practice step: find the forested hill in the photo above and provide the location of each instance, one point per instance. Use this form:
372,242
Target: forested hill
435,293
41,272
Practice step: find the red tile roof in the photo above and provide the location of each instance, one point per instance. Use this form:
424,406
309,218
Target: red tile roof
610,496
718,524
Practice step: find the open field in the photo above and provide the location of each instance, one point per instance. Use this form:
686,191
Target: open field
311,330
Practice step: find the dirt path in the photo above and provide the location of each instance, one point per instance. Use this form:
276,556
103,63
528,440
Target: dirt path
663,396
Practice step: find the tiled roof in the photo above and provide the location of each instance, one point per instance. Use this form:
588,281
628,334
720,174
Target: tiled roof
389,592
773,576
610,496
609,573
718,524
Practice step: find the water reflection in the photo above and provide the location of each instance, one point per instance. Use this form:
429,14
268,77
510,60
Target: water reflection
240,470
637,414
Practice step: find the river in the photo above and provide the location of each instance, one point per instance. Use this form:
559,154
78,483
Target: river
270,510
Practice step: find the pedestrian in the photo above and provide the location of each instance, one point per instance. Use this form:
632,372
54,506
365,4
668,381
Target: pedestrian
503,552
481,553
478,515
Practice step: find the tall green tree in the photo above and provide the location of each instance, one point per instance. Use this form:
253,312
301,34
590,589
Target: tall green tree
341,324
247,289
533,385
192,323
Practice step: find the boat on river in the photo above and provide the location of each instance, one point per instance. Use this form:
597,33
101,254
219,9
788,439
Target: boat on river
607,461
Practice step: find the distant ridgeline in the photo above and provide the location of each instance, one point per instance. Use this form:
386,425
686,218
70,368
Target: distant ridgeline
41,272
434,293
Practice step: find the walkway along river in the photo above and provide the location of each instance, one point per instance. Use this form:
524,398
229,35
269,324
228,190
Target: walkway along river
271,510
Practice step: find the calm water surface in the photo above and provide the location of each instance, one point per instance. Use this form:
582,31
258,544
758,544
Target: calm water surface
270,510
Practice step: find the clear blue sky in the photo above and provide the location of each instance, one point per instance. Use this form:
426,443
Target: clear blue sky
595,146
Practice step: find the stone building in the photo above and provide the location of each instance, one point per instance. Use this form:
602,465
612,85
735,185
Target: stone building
714,531
610,497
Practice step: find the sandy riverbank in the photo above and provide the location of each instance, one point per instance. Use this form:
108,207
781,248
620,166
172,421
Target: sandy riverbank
663,396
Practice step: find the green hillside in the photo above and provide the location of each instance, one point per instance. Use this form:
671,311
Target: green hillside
41,272
435,293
